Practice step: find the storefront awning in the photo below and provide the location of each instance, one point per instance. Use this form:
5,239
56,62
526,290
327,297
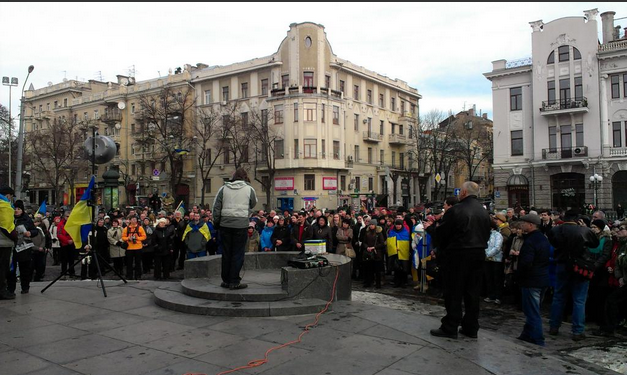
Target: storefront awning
517,180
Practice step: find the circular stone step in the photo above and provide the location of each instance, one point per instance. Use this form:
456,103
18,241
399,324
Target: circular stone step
257,291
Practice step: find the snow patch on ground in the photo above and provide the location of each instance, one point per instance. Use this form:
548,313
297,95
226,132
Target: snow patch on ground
384,300
610,357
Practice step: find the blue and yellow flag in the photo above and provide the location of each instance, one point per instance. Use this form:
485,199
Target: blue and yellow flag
7,214
201,227
79,224
42,209
181,208
181,151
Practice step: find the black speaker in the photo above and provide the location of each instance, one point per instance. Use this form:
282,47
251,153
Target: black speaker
105,149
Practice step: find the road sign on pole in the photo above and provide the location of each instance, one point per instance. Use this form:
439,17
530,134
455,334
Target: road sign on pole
456,191
438,178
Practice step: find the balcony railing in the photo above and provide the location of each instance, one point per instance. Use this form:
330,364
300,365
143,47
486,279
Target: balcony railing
618,151
557,105
397,139
111,117
564,153
372,136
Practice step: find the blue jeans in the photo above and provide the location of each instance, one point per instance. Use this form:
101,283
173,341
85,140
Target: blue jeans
569,283
531,300
191,255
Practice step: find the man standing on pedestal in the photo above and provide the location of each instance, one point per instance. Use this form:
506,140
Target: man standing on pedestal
463,236
231,209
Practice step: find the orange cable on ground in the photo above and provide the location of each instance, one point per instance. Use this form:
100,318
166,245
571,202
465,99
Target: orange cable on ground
259,362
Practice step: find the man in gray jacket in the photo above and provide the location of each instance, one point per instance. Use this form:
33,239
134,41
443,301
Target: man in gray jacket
231,209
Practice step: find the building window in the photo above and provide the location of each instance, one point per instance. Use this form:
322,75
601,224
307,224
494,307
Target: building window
579,135
616,134
369,96
96,114
308,79
551,92
357,158
402,107
245,90
381,157
244,120
356,122
41,108
343,183
336,150
208,185
65,102
56,104
357,183
336,115
225,94
393,126
552,138
356,92
400,129
279,151
615,87
295,112
625,85
264,86
401,159
47,106
565,89
207,99
327,81
311,148
264,117
517,142
132,128
278,114
369,155
576,54
133,170
227,154
393,159
392,104
578,88
265,181
310,182
515,98
342,87
563,52
381,126
244,155
285,80
566,137
370,184
551,59
296,149
381,102
310,112
322,110
324,148
133,106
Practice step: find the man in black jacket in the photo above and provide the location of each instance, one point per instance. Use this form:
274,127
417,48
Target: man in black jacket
570,241
533,276
463,236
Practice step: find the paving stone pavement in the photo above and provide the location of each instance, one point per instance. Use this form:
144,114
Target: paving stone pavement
73,329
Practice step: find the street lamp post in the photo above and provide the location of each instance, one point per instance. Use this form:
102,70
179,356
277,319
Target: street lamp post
20,141
10,83
596,181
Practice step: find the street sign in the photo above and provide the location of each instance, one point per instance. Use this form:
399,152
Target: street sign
456,191
438,178
497,194
155,172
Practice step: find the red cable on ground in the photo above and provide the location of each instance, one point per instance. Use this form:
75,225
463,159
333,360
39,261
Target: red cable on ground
259,362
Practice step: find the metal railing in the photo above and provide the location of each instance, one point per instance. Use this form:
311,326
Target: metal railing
564,153
556,105
372,136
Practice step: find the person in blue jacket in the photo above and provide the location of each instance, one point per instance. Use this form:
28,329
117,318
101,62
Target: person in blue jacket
266,236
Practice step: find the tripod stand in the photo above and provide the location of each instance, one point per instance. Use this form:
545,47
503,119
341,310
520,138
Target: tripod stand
92,237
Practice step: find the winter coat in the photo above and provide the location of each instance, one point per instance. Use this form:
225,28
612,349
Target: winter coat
372,238
602,253
140,237
233,204
53,235
62,234
266,238
493,251
114,236
163,240
148,243
466,225
102,242
344,239
571,240
29,226
621,261
281,232
323,233
195,240
254,242
533,261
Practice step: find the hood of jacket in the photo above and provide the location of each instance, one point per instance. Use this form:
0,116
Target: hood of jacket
236,185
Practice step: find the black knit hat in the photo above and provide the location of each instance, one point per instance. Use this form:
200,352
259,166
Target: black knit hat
599,223
19,204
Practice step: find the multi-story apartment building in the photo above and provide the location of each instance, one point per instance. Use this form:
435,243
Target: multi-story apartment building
560,117
341,130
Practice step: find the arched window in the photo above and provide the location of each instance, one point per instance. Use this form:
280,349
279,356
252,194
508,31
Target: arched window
564,53
576,54
551,58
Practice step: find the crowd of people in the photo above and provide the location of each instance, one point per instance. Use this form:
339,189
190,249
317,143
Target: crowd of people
461,249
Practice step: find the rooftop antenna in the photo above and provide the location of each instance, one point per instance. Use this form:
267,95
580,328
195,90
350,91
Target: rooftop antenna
99,75
64,74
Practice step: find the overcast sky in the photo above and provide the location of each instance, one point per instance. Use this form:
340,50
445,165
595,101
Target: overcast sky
441,49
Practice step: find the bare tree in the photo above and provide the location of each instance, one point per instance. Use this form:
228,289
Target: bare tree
207,141
236,137
438,143
473,144
166,118
4,146
269,146
56,154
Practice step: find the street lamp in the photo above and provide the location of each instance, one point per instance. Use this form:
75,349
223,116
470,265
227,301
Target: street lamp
20,140
596,181
10,83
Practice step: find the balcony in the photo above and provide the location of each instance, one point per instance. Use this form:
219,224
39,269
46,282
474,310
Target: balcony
110,118
397,139
277,92
564,153
556,107
618,151
372,137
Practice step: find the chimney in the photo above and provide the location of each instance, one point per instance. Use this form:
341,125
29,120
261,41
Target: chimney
607,19
474,110
485,116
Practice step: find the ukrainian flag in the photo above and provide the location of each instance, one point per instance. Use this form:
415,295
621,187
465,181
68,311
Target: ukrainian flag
43,209
181,151
79,223
7,214
201,227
